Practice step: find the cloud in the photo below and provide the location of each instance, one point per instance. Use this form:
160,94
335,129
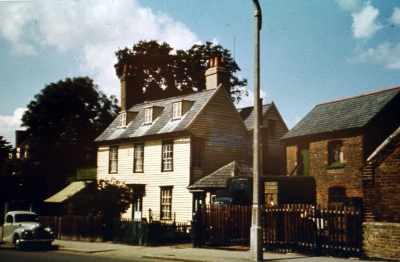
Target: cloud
8,124
385,54
349,5
94,30
364,22
395,18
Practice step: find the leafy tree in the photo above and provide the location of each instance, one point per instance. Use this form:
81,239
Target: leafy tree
108,198
62,123
158,73
4,149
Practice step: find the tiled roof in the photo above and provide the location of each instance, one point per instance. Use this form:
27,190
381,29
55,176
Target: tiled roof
348,113
163,123
247,115
219,178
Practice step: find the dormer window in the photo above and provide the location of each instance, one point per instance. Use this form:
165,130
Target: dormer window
177,110
122,120
148,115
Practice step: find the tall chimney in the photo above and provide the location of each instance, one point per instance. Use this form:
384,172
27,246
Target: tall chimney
218,74
127,90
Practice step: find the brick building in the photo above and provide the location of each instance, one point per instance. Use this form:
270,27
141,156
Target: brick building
335,140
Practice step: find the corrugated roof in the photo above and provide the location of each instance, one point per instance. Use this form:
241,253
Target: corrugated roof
348,113
219,178
163,123
247,115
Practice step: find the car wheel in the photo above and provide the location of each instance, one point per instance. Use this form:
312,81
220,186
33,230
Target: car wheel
17,243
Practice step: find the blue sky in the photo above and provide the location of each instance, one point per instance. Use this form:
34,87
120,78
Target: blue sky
311,51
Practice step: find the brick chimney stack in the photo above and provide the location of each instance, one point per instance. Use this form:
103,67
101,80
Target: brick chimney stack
127,90
218,74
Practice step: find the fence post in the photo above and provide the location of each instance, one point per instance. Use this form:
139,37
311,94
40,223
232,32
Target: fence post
318,235
196,229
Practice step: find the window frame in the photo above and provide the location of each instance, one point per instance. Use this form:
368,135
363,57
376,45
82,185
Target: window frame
167,156
122,120
148,115
198,153
136,159
177,110
271,128
335,154
113,158
335,194
166,202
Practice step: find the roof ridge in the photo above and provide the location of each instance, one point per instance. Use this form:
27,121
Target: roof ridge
358,96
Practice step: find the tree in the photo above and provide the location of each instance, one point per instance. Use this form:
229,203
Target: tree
158,73
4,149
107,198
62,123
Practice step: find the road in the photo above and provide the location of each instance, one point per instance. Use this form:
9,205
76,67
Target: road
9,254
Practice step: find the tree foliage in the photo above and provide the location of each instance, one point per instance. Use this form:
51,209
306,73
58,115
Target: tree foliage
108,198
5,148
62,123
159,73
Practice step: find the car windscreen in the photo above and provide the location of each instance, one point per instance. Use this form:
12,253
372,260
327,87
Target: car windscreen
26,218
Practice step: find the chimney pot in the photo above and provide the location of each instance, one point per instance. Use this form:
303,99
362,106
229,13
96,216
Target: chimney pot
216,61
124,68
211,62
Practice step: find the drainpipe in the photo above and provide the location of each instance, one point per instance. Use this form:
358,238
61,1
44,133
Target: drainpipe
255,230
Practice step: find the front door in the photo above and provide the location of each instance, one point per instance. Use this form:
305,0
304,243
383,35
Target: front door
137,202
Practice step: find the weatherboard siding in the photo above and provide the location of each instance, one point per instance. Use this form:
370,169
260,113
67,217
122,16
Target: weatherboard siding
225,135
152,176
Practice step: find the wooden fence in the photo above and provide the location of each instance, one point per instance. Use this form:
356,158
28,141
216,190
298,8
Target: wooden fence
290,227
82,228
225,224
91,228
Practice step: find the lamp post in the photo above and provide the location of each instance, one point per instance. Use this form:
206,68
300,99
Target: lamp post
255,231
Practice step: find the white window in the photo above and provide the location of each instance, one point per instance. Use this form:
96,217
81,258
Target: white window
167,156
166,202
335,152
148,115
122,120
177,110
138,158
113,159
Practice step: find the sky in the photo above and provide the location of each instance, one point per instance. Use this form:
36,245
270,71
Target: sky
311,51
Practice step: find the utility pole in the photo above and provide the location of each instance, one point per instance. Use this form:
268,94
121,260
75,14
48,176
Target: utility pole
255,231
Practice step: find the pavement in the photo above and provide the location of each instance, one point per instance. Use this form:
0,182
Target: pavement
182,252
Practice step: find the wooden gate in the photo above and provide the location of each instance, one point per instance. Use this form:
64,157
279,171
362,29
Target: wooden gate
225,224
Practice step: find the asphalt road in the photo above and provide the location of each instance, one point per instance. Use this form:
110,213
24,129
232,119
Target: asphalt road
9,254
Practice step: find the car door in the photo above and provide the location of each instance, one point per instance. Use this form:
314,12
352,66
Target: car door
8,228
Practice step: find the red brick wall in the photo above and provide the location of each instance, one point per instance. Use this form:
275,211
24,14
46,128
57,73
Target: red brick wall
348,176
384,197
291,158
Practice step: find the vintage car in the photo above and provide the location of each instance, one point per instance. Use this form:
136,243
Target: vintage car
23,228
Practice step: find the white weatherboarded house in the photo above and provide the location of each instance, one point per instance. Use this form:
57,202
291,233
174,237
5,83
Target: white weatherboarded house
160,148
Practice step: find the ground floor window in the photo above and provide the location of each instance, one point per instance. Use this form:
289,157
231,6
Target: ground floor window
337,195
166,203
